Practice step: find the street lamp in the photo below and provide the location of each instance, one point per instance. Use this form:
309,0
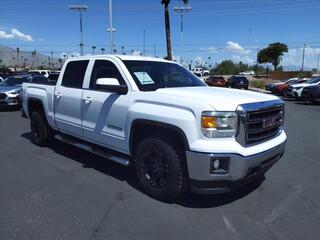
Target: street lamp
80,9
182,10
111,29
318,63
111,38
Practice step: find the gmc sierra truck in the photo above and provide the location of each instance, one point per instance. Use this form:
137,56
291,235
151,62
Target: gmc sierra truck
178,133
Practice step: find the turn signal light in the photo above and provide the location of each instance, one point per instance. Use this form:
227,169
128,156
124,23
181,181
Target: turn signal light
209,122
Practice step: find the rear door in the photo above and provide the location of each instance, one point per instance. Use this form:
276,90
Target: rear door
105,113
68,98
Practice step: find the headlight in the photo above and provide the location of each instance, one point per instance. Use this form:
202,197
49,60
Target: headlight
219,124
14,92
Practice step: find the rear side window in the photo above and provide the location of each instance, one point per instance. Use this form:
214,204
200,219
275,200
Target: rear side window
74,74
104,69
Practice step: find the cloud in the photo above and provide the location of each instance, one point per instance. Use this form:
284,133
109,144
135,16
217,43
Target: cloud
209,49
74,54
236,47
16,34
199,61
4,35
293,57
136,53
244,59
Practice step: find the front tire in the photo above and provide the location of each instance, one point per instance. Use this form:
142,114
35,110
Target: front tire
160,168
41,133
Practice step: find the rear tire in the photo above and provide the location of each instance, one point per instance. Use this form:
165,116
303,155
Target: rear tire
161,168
41,133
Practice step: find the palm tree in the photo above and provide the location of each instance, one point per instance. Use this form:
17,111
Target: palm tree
102,50
167,26
93,48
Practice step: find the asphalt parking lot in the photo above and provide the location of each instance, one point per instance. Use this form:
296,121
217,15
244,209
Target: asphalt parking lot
66,193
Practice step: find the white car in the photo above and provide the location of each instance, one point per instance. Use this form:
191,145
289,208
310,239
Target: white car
295,90
247,73
177,132
45,73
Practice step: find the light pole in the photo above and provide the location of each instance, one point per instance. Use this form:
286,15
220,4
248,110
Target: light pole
318,63
80,9
52,59
18,57
303,53
111,29
182,10
255,39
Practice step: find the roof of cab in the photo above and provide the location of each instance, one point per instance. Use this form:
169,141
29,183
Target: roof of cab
121,57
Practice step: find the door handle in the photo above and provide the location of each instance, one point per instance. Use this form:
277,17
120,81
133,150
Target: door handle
87,100
58,95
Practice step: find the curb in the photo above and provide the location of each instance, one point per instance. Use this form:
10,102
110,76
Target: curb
259,90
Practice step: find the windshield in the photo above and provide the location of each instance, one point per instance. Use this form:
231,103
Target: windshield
150,76
16,80
313,80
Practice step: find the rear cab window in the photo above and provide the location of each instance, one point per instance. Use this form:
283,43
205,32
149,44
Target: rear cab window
74,74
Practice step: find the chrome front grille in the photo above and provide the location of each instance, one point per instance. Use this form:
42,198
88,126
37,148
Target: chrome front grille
260,121
263,124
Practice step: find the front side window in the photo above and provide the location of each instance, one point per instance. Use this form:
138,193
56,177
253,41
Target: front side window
74,74
150,75
104,69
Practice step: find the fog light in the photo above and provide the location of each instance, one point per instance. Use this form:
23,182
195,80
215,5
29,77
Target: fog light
216,164
219,165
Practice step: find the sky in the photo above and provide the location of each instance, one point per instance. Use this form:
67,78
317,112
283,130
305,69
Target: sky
214,30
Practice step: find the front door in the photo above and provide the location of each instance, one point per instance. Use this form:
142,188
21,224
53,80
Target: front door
105,113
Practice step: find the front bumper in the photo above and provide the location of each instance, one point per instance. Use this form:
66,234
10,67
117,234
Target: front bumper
9,100
241,169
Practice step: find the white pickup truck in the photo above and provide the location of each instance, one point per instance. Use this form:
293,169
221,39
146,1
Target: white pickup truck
155,115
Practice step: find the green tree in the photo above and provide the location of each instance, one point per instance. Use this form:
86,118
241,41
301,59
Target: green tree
226,67
272,54
166,3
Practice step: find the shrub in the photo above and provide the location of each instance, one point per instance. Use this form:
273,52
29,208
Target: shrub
257,84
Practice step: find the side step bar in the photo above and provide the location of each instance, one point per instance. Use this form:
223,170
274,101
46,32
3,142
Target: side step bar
103,152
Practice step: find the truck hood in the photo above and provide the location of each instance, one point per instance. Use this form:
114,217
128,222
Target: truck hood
5,89
221,99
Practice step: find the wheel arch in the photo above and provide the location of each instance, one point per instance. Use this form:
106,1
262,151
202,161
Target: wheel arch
151,127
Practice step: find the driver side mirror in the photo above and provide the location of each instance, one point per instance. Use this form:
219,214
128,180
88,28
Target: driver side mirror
111,85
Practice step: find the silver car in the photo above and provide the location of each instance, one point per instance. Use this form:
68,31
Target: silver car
10,89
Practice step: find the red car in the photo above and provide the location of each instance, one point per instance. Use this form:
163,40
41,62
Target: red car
281,89
216,81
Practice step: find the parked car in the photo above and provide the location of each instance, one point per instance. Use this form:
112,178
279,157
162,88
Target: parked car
281,89
216,81
199,75
41,72
177,132
311,93
10,89
295,90
247,73
239,82
269,86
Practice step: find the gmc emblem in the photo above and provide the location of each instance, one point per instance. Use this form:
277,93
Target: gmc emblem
270,122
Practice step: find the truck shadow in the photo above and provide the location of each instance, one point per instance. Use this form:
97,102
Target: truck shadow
189,200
